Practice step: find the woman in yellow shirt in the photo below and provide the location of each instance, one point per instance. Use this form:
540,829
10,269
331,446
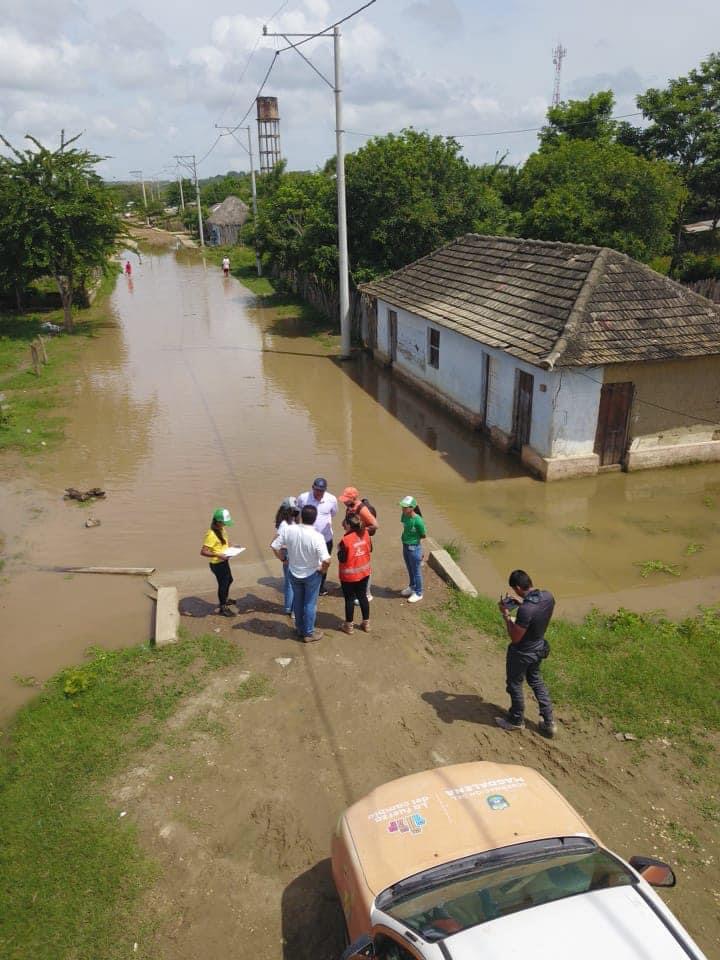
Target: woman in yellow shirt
214,547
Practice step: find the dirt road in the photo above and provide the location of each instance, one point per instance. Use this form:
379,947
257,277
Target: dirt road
239,801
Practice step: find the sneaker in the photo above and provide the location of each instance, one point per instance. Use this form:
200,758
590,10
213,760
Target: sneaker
312,637
415,598
346,627
407,592
506,725
548,728
226,611
324,593
365,626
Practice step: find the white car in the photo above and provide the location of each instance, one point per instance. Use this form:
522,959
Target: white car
487,861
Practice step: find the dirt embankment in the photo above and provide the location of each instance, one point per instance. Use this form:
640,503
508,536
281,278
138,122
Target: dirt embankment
238,802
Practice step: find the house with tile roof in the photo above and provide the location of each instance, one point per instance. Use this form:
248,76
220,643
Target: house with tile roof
578,358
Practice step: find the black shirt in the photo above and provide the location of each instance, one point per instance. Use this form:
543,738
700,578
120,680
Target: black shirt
534,614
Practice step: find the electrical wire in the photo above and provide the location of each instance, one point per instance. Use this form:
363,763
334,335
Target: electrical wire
658,406
503,133
329,27
260,90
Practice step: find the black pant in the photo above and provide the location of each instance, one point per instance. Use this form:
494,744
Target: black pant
355,589
224,579
522,666
329,545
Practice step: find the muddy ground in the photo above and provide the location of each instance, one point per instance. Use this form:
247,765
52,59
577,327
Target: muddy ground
238,802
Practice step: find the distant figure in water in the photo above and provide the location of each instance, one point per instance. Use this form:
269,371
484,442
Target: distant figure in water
128,268
226,266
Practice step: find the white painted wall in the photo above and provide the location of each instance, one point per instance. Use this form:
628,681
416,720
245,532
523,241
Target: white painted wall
564,414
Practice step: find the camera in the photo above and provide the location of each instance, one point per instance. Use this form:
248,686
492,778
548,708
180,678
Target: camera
509,603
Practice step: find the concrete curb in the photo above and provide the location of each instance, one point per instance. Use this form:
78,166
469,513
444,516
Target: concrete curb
167,616
443,564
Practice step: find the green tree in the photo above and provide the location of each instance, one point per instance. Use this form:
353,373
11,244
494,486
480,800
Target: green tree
408,194
684,129
296,224
70,216
582,191
589,119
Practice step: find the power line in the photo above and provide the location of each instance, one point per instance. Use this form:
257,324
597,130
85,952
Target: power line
503,133
260,90
657,406
326,30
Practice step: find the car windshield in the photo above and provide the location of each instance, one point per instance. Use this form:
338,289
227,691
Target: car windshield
497,889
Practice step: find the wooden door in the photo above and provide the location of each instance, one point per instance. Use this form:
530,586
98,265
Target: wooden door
392,335
522,415
613,422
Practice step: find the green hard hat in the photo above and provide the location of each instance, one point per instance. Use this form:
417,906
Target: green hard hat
221,515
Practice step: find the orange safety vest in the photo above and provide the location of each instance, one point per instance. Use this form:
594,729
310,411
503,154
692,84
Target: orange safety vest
356,565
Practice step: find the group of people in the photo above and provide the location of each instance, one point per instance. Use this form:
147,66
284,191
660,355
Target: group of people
304,542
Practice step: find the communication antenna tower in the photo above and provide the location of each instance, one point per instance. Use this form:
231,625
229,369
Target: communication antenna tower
559,54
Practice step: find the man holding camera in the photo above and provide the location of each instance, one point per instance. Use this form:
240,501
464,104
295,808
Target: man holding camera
528,648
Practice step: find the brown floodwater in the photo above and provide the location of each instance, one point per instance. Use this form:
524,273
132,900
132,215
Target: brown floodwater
197,398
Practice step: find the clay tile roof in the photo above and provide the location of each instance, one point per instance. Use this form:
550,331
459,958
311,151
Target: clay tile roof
557,304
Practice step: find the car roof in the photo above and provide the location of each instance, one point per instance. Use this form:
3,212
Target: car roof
440,815
615,923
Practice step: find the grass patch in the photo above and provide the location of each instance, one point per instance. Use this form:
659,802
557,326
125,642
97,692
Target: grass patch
657,566
293,316
692,548
256,687
453,548
29,418
71,868
647,674
577,530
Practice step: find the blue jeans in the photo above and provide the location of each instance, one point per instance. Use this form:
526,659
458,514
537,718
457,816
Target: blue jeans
412,555
305,598
287,589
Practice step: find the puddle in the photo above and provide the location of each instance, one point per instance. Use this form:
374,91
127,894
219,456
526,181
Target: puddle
197,398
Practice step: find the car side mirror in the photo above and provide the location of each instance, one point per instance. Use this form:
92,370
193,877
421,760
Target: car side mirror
361,949
653,871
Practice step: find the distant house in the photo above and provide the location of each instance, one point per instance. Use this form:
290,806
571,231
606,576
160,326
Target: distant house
222,226
578,358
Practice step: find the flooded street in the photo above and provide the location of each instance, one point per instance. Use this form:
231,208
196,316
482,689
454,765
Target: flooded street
196,398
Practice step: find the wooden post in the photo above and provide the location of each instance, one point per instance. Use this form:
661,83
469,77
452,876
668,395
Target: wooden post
43,351
35,358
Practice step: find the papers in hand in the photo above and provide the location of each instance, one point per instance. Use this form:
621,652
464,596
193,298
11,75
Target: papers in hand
233,552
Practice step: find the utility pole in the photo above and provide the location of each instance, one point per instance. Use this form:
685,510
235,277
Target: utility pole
182,196
343,270
189,162
139,174
248,149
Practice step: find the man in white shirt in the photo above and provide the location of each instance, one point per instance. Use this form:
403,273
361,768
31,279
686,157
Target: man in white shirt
308,559
226,266
327,506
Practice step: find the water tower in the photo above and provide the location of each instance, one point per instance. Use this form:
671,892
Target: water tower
268,121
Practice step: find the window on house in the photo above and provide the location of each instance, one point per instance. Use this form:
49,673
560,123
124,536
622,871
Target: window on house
434,348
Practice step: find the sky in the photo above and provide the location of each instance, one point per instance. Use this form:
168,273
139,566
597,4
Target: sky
145,82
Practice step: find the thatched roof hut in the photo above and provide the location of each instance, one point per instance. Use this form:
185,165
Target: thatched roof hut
225,220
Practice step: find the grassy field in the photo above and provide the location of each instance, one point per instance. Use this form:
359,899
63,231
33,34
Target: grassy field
70,867
29,417
648,675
